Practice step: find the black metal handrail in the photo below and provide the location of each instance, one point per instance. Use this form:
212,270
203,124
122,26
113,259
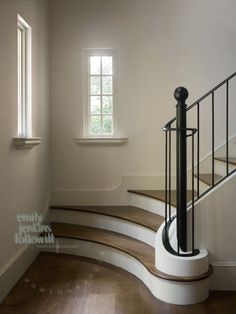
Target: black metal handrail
203,97
182,133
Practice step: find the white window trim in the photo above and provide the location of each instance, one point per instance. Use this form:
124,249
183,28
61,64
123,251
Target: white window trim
24,137
88,52
26,142
24,80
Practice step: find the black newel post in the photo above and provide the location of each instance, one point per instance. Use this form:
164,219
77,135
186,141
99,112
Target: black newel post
181,94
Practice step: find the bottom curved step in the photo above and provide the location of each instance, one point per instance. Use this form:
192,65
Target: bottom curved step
131,255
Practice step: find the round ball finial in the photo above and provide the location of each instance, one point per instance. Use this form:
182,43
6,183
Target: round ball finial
181,94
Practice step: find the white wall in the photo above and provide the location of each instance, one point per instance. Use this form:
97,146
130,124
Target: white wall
161,45
215,231
24,174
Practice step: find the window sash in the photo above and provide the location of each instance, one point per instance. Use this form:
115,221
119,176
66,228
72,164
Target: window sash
100,94
24,77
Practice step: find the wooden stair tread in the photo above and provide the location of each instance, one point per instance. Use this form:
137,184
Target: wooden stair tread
207,178
144,253
160,195
232,160
129,213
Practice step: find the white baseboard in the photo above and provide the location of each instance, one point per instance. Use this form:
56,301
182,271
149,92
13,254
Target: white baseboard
224,276
18,264
15,268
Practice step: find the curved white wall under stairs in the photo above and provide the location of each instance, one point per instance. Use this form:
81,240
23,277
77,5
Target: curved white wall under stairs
153,205
215,219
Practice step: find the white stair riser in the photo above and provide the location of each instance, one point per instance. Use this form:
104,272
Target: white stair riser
150,204
165,290
104,222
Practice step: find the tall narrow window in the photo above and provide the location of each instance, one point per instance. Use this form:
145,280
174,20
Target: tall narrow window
24,77
100,94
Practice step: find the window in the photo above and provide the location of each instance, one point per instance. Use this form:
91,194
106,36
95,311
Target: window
99,90
24,77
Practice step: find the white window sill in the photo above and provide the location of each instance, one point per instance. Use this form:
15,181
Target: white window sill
26,142
101,140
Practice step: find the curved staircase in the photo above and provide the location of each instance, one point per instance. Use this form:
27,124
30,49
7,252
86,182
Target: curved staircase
125,237
154,236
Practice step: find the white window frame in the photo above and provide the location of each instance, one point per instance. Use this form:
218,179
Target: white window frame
89,52
24,63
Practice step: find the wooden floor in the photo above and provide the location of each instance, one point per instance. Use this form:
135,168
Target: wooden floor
63,284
